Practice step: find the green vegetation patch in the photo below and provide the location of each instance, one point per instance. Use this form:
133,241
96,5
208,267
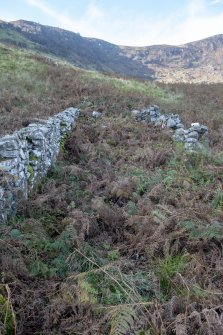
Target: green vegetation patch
14,37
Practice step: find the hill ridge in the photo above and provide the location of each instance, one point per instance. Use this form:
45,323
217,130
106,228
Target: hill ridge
197,61
70,46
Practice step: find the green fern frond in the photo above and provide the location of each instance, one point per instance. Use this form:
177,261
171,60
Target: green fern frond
122,320
87,292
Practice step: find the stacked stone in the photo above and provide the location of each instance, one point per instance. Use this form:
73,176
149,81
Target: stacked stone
153,115
193,138
147,115
26,156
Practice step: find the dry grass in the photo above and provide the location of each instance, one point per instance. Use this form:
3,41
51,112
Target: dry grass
33,86
125,235
201,103
127,195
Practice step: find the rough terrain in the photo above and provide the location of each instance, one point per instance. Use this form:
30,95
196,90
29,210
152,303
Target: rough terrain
125,234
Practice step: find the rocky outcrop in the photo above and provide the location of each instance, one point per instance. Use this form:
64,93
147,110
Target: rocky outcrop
26,156
193,138
196,62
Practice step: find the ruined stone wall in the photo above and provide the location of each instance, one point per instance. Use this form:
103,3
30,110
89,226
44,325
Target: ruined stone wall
26,156
193,138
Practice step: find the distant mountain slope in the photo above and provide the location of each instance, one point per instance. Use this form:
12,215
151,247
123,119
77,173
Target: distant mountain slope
200,61
83,52
196,61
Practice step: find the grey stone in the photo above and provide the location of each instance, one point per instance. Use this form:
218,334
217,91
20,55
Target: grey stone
7,144
40,141
178,138
195,124
135,112
193,134
162,118
1,193
191,140
180,131
9,164
96,115
154,107
36,153
153,119
8,153
203,129
191,146
195,127
22,154
171,123
189,136
217,224
179,125
153,113
161,121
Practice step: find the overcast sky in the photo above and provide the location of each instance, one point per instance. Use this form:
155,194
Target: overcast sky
124,22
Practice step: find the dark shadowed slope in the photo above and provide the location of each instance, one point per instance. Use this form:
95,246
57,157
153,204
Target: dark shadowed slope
92,54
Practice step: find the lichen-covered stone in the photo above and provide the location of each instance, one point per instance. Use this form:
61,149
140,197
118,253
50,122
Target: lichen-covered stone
27,155
193,138
193,134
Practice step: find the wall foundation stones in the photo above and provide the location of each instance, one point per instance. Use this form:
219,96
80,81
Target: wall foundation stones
27,155
193,138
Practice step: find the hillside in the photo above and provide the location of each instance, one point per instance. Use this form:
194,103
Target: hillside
92,54
199,61
37,86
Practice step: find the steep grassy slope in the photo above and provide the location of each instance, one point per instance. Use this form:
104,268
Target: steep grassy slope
36,86
92,54
125,234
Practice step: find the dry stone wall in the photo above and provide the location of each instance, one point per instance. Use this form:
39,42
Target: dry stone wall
26,156
193,138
